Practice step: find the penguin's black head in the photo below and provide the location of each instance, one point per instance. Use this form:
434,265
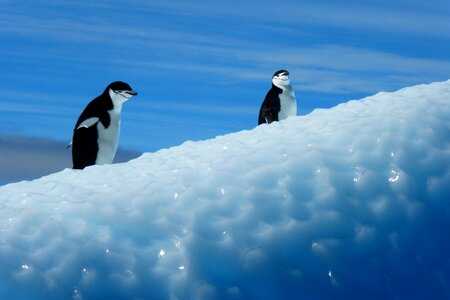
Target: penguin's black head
120,91
281,78
281,72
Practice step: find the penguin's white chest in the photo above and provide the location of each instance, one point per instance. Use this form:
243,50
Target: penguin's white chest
108,140
288,104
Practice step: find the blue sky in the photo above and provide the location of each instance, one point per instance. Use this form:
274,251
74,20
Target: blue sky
202,68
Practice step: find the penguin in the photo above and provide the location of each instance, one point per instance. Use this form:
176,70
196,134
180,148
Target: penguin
96,133
280,101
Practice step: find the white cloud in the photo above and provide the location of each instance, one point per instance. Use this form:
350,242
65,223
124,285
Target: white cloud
235,56
339,69
326,68
222,47
412,17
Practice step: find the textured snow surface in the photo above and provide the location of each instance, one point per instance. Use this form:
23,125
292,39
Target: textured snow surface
350,202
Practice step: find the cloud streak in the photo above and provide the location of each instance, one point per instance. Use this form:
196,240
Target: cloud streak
234,56
329,68
28,158
205,68
386,16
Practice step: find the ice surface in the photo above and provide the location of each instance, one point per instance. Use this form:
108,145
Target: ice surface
350,203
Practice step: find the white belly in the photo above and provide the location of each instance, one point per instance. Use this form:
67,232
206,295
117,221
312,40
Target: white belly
288,105
108,140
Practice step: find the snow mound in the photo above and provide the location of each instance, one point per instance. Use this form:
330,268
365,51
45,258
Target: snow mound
349,203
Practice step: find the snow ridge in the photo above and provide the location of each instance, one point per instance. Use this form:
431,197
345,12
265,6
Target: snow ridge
350,202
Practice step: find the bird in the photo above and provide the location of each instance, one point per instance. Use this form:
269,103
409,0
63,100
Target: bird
97,130
280,101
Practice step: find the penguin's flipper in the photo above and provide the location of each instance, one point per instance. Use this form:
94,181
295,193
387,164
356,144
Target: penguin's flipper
88,123
267,115
270,107
84,146
69,145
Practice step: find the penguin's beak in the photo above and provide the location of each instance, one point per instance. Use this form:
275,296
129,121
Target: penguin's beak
133,93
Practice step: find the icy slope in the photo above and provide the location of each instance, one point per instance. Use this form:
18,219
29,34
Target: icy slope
350,203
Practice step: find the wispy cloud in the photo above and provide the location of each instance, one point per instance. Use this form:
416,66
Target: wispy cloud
22,101
338,69
228,54
188,60
327,68
378,16
399,17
